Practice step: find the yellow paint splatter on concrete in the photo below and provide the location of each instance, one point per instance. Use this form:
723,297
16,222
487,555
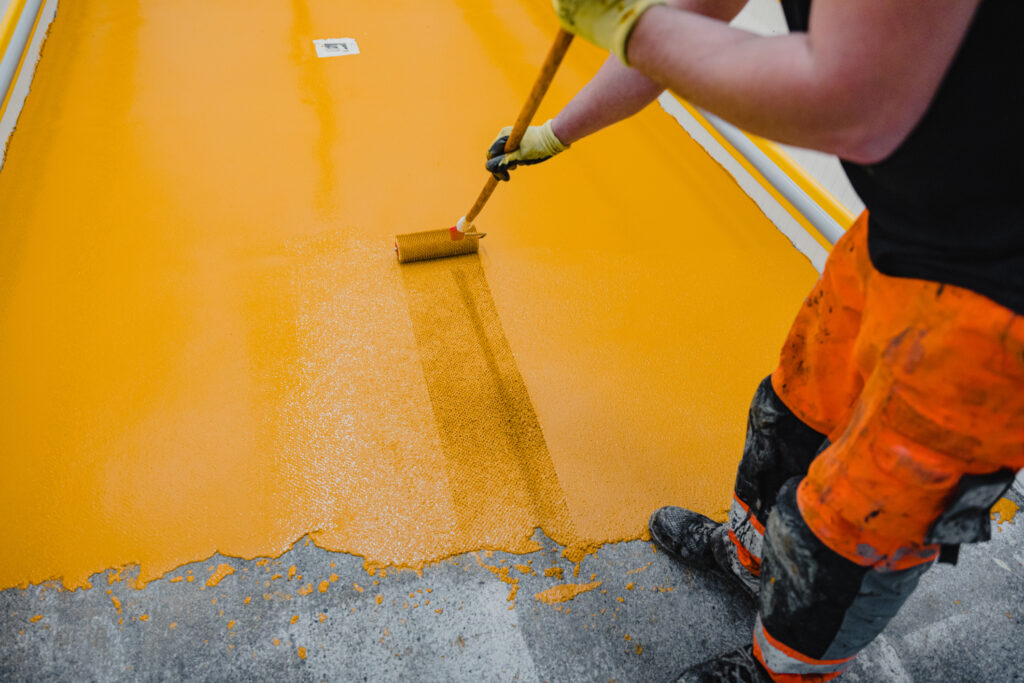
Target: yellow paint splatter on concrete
322,617
305,590
143,617
555,572
357,587
564,592
1005,510
294,619
247,600
36,618
276,641
223,570
301,652
173,624
324,585
291,572
629,586
334,577
244,287
525,568
639,569
379,599
177,579
116,602
231,624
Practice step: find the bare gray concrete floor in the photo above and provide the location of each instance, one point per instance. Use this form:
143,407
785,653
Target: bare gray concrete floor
963,624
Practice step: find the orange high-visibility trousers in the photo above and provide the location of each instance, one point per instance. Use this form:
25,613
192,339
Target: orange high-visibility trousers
919,388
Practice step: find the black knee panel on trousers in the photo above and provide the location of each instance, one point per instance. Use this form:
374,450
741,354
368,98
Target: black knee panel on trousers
816,601
779,446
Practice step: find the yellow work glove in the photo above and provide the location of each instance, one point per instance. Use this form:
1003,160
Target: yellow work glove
539,144
605,23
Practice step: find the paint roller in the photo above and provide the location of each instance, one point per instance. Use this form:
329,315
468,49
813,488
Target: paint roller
463,238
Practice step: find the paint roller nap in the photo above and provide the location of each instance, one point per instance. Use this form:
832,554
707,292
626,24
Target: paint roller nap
431,244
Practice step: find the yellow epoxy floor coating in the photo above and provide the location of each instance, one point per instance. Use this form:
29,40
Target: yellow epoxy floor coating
206,343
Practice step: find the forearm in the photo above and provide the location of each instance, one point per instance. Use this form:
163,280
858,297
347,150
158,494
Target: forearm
766,85
617,92
855,85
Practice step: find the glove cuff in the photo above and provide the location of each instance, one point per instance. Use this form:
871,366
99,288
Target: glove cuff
549,140
624,29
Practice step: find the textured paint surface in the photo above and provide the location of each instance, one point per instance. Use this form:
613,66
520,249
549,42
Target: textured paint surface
206,343
564,592
1005,510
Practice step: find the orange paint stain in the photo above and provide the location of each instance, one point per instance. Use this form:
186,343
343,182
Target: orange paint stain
36,618
379,599
324,585
305,590
301,652
322,617
276,641
173,624
1004,510
294,619
291,572
555,572
223,570
247,600
243,287
231,624
143,617
564,592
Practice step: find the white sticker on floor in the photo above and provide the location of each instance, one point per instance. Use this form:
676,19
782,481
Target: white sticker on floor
336,47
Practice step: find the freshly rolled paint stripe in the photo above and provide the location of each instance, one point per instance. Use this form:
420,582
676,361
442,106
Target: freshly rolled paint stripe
15,33
787,187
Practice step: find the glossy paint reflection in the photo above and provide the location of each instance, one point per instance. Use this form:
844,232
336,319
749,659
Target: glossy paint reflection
206,343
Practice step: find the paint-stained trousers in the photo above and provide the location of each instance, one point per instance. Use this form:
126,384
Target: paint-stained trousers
894,421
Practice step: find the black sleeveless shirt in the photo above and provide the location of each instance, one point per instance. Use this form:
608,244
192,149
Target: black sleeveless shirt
948,204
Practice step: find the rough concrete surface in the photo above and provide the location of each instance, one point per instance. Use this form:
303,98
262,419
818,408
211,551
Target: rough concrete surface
648,619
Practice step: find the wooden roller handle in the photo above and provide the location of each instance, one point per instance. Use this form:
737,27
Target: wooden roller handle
540,88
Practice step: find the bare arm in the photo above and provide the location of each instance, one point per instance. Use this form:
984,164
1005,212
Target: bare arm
854,85
617,92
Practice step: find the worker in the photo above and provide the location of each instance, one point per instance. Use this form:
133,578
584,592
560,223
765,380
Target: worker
895,418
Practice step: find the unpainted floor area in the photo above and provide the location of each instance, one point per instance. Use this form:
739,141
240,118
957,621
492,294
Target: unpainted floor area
316,615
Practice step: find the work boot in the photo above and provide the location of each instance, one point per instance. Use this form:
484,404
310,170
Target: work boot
738,666
697,541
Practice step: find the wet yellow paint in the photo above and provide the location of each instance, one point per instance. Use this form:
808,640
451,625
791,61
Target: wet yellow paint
564,592
1005,510
206,344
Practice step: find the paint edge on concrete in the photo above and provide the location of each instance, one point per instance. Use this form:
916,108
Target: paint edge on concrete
23,79
801,240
